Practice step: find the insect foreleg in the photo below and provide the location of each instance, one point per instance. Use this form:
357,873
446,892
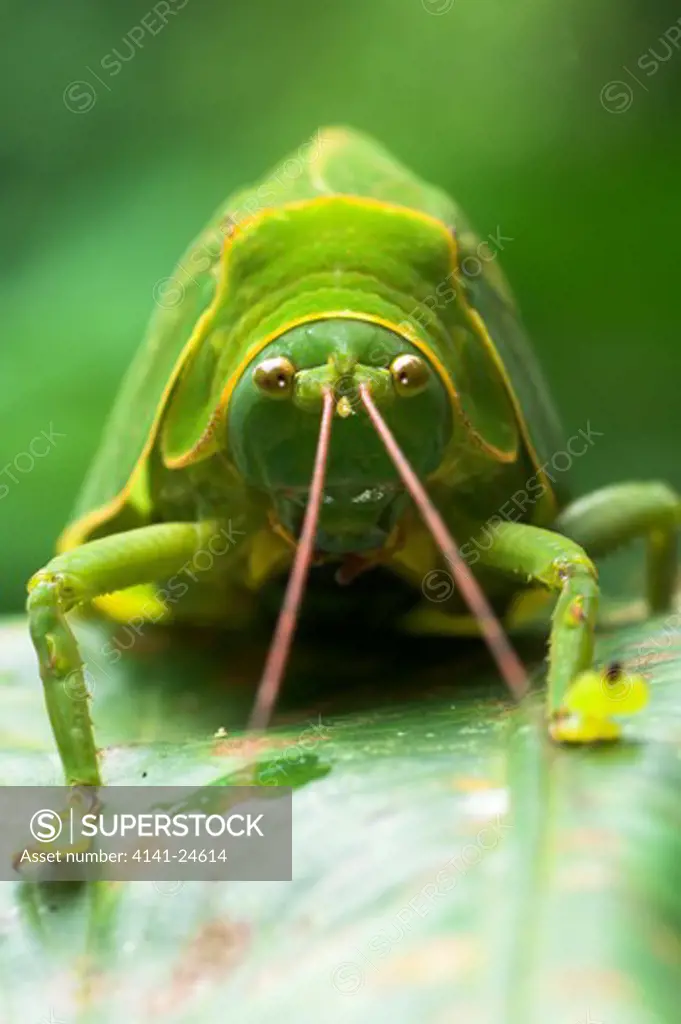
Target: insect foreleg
100,567
581,703
540,556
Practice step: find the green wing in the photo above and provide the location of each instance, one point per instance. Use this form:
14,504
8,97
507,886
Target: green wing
491,297
180,299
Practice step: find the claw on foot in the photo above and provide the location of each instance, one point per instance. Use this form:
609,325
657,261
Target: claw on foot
593,700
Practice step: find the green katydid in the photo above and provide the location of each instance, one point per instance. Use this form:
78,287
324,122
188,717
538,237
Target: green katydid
331,365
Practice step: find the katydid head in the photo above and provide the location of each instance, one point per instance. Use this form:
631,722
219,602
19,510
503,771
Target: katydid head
275,415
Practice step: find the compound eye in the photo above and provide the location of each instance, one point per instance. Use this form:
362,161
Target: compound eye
410,375
275,377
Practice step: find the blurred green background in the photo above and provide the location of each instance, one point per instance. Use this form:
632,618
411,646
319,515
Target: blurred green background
120,135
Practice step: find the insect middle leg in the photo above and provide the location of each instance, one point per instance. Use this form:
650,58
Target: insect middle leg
613,516
97,568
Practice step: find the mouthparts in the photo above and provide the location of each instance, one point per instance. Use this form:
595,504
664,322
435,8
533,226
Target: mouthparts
352,519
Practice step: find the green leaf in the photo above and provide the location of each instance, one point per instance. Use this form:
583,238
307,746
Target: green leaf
449,863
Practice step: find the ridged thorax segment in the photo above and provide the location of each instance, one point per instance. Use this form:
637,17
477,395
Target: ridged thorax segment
340,256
